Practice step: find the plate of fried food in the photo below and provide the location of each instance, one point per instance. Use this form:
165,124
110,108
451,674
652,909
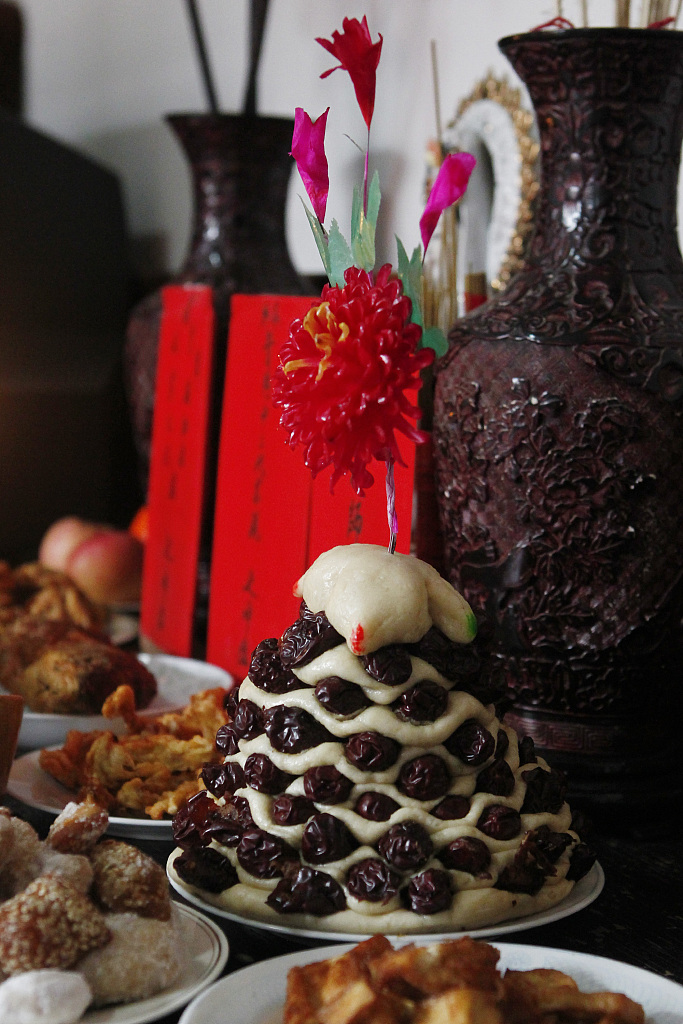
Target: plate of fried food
463,980
88,931
140,778
56,653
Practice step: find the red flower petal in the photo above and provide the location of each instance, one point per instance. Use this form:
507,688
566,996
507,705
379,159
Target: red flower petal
308,149
343,374
450,185
357,54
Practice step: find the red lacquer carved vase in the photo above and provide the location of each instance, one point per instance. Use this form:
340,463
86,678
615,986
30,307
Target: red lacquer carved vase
558,429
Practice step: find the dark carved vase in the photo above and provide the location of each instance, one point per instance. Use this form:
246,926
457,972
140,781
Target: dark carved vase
240,170
558,430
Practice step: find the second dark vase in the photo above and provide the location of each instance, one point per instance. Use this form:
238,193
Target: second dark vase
558,430
240,169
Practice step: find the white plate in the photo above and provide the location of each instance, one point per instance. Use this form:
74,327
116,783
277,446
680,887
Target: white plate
177,679
207,949
35,788
584,892
256,994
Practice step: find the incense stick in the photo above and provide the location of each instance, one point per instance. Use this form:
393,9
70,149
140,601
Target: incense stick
203,57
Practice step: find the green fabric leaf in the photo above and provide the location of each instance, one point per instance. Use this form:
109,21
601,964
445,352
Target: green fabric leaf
339,255
434,338
320,237
410,273
374,199
362,234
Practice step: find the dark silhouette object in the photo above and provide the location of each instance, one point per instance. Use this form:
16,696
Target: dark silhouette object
65,437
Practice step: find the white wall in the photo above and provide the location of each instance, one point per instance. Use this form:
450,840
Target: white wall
101,75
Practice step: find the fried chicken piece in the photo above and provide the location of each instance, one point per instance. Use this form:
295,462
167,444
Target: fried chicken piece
459,1006
338,989
125,879
74,673
543,994
202,716
78,827
144,957
67,764
417,972
49,924
38,592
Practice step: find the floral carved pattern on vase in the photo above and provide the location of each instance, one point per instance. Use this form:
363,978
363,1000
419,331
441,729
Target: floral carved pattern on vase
558,419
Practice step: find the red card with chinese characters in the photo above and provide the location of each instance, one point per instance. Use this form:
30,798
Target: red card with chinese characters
178,467
272,519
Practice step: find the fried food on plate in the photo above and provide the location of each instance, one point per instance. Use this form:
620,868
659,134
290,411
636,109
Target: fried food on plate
454,982
53,652
151,771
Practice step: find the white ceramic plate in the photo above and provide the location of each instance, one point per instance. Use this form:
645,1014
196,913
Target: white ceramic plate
256,994
207,952
35,788
177,679
584,892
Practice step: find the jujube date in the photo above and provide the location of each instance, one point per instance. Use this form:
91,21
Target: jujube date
500,822
341,697
371,751
262,775
406,846
248,720
267,671
497,779
466,854
307,891
390,665
307,638
292,730
424,778
451,807
545,791
291,810
325,839
371,880
424,702
429,892
207,869
263,855
375,806
326,785
471,742
227,740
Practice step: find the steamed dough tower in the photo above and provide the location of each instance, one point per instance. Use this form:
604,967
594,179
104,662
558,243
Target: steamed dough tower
368,784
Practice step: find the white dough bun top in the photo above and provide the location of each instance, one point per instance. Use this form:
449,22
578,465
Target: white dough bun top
374,598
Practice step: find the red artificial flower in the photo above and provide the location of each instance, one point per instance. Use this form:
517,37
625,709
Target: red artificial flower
449,186
357,54
308,149
343,373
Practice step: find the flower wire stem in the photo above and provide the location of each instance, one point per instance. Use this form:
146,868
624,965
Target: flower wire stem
391,505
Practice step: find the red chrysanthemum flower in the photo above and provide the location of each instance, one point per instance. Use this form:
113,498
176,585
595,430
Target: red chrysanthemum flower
343,374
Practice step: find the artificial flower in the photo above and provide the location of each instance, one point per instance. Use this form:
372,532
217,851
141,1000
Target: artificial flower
308,149
343,374
448,188
357,54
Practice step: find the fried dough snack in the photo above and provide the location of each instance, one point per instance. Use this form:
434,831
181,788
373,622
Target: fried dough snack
152,771
118,930
53,652
453,982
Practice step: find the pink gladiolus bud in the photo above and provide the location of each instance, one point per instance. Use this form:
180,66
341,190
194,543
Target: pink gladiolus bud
450,185
308,149
357,54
